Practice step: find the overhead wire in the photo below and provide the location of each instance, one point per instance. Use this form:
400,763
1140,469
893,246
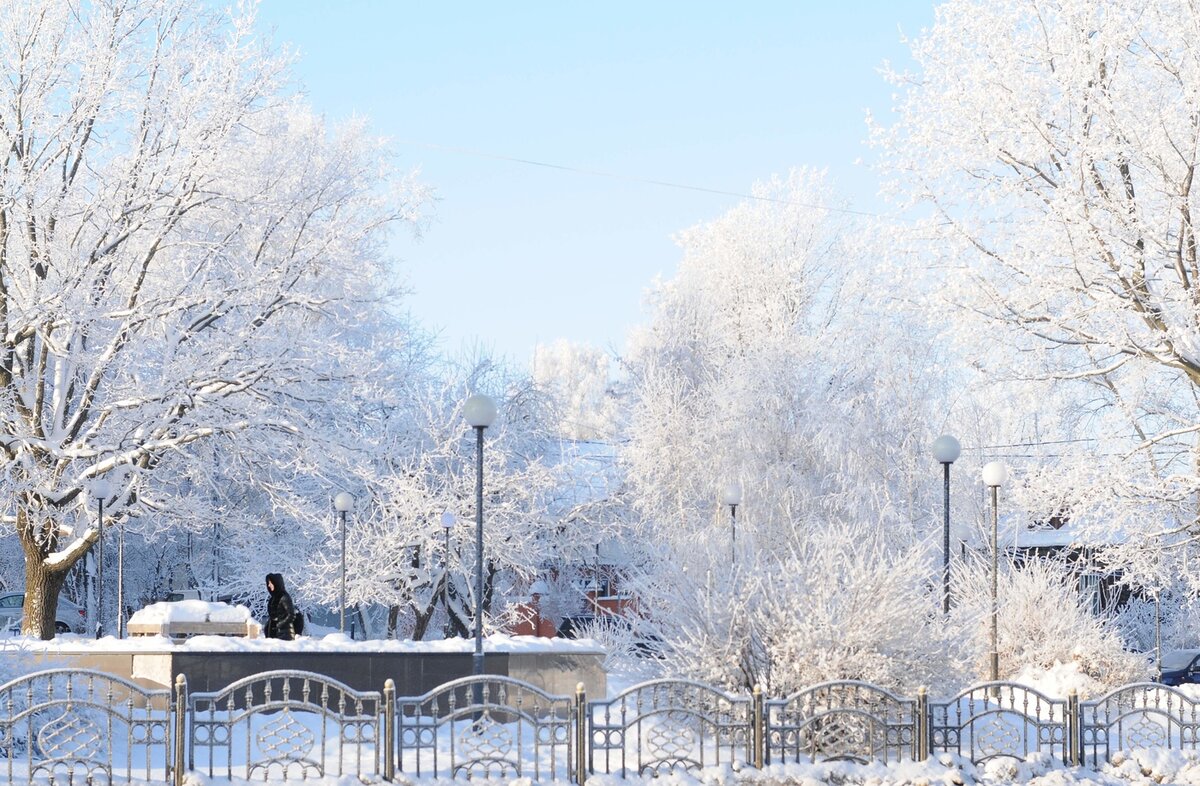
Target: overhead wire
639,179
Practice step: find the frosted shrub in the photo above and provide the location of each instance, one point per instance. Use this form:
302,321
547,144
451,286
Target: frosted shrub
844,606
1043,620
839,604
1180,623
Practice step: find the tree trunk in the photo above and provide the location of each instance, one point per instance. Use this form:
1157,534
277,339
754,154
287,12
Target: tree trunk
43,579
393,620
42,586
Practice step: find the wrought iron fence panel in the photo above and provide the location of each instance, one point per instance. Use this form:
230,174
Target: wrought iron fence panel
488,725
1143,715
70,726
668,724
285,724
996,719
844,719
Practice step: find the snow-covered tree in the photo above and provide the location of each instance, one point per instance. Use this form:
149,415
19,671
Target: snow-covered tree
770,360
180,239
576,376
1054,144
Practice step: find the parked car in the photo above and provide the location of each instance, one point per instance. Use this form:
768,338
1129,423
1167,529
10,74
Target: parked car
1180,666
68,619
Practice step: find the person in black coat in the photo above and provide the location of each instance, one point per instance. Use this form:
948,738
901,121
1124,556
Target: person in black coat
280,611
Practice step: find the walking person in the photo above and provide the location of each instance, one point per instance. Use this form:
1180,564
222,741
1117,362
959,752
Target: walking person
280,610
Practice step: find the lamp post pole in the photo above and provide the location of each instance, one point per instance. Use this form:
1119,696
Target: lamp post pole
994,475
946,450
121,581
344,503
101,488
731,495
100,569
479,411
448,521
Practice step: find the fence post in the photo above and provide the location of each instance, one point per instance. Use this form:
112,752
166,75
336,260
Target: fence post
921,733
389,730
180,726
1074,741
581,734
758,737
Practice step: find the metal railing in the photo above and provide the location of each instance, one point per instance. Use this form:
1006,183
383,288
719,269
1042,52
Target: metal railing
668,724
73,727
998,719
487,726
68,726
846,720
283,724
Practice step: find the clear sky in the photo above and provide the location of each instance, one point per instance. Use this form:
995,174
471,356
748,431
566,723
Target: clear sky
707,94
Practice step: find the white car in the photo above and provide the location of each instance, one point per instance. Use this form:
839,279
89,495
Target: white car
69,618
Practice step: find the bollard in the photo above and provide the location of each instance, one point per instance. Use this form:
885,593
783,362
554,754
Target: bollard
180,713
921,736
581,734
1073,745
758,736
389,730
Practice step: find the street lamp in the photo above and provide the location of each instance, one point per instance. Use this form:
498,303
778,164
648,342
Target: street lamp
121,579
448,522
344,503
946,450
479,411
994,475
731,495
101,489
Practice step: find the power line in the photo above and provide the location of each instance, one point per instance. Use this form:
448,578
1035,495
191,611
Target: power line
636,179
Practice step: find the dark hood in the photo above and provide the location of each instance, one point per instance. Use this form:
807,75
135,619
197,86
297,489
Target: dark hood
277,580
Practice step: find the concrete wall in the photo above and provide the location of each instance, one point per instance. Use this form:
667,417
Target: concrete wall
414,673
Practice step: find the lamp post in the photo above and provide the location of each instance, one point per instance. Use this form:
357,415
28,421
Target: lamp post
121,580
448,522
101,489
994,475
731,495
344,503
479,411
946,451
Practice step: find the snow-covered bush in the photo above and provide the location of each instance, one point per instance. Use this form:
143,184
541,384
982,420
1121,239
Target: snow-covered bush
845,605
1043,621
837,603
1179,624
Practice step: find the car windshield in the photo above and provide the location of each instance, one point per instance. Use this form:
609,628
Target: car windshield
1179,659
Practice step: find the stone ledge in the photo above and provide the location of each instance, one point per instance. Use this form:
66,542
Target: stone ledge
187,629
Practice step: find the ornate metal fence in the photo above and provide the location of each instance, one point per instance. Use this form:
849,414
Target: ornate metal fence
285,724
66,727
1000,719
1145,715
69,727
842,720
488,726
669,724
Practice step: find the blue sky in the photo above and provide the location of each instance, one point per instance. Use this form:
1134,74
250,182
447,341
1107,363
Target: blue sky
715,95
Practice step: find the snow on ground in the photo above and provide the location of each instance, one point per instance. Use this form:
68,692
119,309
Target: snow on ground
1144,769
333,642
1059,680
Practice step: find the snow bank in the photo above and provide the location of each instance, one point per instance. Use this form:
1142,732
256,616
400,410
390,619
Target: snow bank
1059,680
189,611
334,642
942,771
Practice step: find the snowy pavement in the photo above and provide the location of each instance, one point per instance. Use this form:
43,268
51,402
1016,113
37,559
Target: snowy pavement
1146,768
